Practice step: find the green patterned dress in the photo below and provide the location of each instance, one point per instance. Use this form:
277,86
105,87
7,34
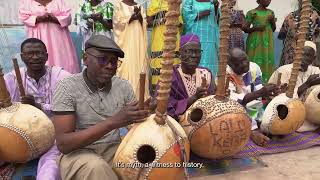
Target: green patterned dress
81,19
260,48
105,8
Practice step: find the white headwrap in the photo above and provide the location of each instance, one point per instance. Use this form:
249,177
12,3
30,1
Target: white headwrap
311,44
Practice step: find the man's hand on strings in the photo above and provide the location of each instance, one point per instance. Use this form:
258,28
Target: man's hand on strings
201,92
283,88
269,90
147,105
131,114
313,80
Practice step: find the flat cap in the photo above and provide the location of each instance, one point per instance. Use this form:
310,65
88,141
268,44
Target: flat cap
104,43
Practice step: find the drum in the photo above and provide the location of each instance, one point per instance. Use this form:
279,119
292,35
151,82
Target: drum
312,104
282,116
152,151
216,129
26,133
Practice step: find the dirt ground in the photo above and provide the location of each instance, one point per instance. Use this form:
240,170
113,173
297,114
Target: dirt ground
297,165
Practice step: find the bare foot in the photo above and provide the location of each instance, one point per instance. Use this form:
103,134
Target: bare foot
259,138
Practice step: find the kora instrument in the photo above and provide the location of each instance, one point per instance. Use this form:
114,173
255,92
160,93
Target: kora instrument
312,104
26,132
217,126
284,114
151,151
216,129
157,148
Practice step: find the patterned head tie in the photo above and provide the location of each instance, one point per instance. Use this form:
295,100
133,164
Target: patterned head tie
187,38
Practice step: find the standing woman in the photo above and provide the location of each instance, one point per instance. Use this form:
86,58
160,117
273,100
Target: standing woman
130,33
237,21
260,48
201,18
48,20
156,21
94,17
288,32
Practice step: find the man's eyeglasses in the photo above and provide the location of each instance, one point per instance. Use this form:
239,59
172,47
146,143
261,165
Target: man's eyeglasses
102,60
191,51
39,54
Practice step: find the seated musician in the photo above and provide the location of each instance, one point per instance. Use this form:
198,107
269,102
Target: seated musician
89,108
307,77
187,78
39,82
246,87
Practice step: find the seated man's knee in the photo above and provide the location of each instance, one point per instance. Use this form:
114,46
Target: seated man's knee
96,163
89,166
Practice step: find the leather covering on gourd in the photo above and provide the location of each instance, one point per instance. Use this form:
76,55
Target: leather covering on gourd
159,143
312,104
217,126
284,114
26,132
154,146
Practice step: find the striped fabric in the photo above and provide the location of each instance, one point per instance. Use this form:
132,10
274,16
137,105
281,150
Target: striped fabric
6,171
241,85
292,142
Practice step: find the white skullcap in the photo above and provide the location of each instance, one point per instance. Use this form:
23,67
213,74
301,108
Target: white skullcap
311,44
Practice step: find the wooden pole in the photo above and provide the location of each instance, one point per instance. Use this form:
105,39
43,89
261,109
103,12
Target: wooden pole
142,90
18,75
5,98
225,21
279,79
302,33
170,39
203,82
227,85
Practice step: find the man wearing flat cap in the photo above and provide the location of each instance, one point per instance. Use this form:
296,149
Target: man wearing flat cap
89,108
308,76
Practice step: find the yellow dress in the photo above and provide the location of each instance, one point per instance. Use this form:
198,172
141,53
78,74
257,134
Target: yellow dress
132,39
157,40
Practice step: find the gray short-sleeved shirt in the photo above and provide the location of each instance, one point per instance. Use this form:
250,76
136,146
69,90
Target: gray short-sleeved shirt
75,94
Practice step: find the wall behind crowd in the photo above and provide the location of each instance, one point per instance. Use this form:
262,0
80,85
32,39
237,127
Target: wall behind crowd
9,16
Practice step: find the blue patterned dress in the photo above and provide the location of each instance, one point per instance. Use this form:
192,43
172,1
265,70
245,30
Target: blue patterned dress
206,28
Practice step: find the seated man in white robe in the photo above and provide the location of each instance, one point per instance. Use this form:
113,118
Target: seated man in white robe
307,77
